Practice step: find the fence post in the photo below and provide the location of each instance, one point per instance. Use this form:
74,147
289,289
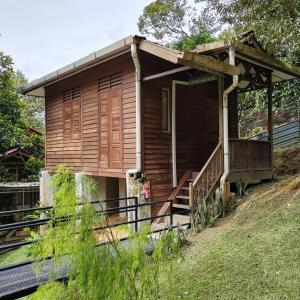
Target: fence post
136,214
171,213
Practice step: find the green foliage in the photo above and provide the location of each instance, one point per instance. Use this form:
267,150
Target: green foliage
10,107
33,166
276,25
164,17
253,254
275,22
33,108
110,271
17,115
176,22
191,42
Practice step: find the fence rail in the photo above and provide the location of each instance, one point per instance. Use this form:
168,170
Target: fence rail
283,136
132,207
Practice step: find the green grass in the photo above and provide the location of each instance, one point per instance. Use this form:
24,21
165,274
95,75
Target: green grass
14,256
256,257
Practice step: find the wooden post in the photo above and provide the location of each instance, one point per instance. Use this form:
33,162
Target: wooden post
270,114
220,96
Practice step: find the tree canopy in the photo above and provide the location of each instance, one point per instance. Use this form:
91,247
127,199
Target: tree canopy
177,23
17,115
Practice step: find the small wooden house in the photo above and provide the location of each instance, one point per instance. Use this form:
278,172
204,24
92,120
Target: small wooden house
136,107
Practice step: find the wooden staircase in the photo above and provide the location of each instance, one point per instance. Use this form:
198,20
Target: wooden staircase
182,195
194,187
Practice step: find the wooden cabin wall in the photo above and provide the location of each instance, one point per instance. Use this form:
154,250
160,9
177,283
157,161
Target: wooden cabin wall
81,152
201,115
157,145
197,125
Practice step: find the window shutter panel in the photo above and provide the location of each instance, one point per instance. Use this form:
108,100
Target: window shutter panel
103,128
110,121
71,104
116,128
67,119
76,119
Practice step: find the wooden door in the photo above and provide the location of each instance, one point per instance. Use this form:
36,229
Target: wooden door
110,127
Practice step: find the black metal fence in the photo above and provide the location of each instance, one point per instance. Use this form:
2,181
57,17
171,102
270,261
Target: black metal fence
283,136
132,206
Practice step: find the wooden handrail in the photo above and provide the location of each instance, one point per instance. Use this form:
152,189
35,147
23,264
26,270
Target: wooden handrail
207,178
173,195
182,181
206,164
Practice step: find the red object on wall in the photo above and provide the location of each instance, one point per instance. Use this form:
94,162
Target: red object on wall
147,190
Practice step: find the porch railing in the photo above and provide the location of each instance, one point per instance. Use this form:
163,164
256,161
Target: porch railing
207,178
250,155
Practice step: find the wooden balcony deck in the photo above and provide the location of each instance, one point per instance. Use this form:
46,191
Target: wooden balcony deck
249,160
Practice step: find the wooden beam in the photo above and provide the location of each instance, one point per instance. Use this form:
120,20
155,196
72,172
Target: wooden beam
160,51
270,114
166,73
207,63
212,47
220,105
267,60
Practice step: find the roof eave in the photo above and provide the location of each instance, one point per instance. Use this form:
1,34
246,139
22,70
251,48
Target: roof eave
97,57
191,59
267,60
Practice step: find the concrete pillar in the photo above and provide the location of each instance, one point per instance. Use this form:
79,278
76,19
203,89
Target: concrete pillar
122,194
46,190
135,189
79,181
226,193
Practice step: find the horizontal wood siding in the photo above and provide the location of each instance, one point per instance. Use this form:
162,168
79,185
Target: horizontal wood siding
197,125
197,132
157,155
83,153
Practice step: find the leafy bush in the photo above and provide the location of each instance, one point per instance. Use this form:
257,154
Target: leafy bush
110,271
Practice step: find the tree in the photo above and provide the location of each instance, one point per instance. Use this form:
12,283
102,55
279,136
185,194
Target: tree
275,22
17,115
10,105
33,108
177,23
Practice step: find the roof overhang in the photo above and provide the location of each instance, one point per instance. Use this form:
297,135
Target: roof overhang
281,70
187,58
36,87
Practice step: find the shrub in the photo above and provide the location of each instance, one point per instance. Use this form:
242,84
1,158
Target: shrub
110,271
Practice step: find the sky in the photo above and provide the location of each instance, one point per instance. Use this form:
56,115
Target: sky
44,35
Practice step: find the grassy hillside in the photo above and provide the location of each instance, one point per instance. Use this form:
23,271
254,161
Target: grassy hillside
252,254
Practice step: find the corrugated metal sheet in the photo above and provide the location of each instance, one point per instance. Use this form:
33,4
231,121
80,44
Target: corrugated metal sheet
283,136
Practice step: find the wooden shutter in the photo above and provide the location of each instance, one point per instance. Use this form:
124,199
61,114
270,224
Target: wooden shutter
116,128
110,121
103,127
71,99
68,119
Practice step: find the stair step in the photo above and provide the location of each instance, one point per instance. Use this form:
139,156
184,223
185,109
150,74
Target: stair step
190,180
184,206
186,188
183,197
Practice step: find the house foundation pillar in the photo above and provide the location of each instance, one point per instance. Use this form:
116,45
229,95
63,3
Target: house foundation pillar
135,189
46,190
